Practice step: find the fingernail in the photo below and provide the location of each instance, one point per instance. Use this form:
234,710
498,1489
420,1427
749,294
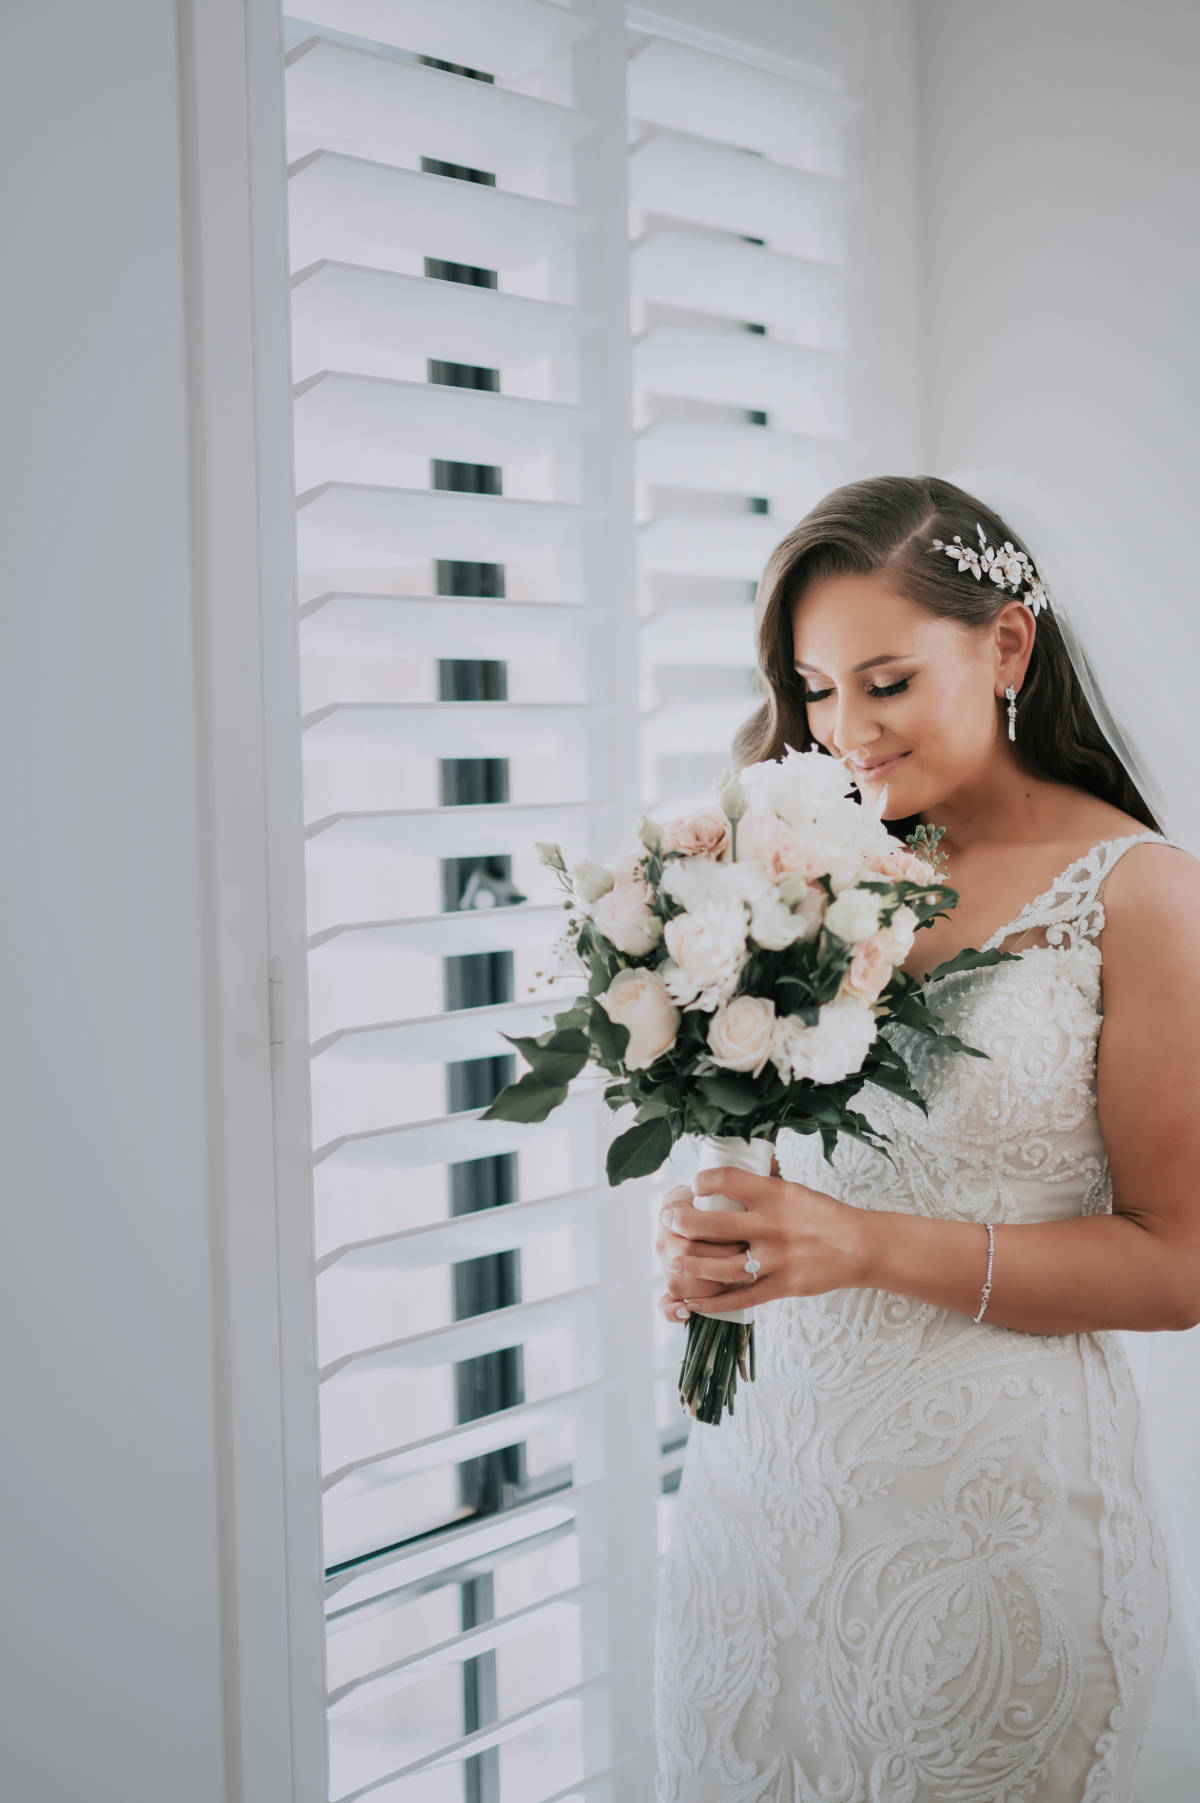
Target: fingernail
670,1217
681,1313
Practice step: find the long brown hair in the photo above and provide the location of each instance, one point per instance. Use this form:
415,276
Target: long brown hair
885,524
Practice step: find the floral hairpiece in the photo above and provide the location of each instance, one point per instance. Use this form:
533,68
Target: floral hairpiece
1005,566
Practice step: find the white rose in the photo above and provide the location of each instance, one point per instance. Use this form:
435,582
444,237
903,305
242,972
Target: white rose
624,916
708,950
853,915
741,1032
833,1049
638,999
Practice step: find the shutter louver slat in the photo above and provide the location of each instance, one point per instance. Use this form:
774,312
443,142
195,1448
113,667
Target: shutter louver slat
508,37
377,431
389,1679
454,729
441,1242
375,321
379,1470
353,211
464,1339
797,123
342,97
716,185
347,527
390,1150
673,454
394,1575
521,1721
445,834
397,626
798,301
803,388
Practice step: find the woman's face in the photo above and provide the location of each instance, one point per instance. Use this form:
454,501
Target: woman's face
907,699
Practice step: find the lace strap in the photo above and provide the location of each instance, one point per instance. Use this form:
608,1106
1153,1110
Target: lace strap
1072,908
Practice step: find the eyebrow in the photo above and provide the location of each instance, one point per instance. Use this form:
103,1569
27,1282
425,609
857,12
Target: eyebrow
888,657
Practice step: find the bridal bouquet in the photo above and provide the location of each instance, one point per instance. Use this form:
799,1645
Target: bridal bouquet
740,966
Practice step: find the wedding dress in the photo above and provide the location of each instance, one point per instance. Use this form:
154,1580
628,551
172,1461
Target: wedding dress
920,1562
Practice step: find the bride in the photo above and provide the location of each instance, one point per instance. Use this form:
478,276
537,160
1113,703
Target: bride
921,1562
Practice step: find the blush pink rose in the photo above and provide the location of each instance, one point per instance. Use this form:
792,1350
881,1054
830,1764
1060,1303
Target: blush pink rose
624,915
870,970
701,835
638,999
766,840
900,866
896,939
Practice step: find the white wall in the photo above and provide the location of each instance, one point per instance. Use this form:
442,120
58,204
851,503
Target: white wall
111,1690
1060,273
1059,146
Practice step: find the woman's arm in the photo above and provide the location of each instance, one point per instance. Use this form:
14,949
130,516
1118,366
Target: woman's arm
1138,1268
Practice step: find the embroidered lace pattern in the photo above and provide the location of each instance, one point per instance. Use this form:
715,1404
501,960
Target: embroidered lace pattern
917,1564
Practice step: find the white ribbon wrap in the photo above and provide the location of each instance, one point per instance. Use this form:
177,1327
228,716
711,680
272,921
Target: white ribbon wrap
746,1155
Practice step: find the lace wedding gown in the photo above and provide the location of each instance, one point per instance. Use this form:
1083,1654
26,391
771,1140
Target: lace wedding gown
919,1563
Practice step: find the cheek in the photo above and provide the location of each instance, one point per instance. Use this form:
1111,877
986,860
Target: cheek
954,722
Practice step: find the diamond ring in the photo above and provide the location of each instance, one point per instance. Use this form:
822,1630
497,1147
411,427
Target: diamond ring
752,1265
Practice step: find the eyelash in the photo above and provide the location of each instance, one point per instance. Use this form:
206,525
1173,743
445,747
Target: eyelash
893,688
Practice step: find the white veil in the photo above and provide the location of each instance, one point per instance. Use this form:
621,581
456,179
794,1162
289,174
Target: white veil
1093,584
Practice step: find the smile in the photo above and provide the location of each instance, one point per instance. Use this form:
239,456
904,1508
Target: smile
871,772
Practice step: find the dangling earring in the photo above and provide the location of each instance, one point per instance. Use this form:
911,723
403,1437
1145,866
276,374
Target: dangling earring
1010,695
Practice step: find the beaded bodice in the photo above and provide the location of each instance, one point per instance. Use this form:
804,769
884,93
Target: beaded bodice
1015,1136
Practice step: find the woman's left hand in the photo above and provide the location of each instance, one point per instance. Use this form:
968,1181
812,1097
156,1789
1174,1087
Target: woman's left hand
805,1241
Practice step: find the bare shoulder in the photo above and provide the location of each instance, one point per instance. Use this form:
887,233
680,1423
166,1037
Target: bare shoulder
1152,907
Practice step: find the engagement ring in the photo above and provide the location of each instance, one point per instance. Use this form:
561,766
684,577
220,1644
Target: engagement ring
751,1265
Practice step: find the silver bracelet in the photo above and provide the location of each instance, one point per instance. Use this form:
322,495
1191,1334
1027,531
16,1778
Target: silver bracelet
987,1282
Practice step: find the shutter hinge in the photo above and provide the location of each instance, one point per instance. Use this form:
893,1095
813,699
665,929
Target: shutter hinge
275,1026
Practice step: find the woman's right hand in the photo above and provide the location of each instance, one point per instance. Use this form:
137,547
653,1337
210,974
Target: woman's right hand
670,1245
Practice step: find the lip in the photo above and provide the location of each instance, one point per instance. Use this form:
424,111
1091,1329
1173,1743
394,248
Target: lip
879,765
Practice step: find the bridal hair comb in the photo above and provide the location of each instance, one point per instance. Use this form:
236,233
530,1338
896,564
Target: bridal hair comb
1006,567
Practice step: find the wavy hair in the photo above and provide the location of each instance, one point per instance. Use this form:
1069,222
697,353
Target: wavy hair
884,525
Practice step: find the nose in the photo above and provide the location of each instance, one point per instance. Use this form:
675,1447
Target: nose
854,730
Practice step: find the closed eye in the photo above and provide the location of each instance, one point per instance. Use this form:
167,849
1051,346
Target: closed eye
893,688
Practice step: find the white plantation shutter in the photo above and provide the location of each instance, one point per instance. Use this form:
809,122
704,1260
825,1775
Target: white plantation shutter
740,233
465,555
497,578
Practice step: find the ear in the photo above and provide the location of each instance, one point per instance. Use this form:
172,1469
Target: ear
1014,629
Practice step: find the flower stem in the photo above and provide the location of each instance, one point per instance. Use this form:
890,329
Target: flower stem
716,1351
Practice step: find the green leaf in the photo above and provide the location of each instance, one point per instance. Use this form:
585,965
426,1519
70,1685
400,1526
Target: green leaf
527,1100
899,1086
948,1042
556,1056
734,1094
655,1107
610,1038
701,1116
638,1152
970,959
579,1014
